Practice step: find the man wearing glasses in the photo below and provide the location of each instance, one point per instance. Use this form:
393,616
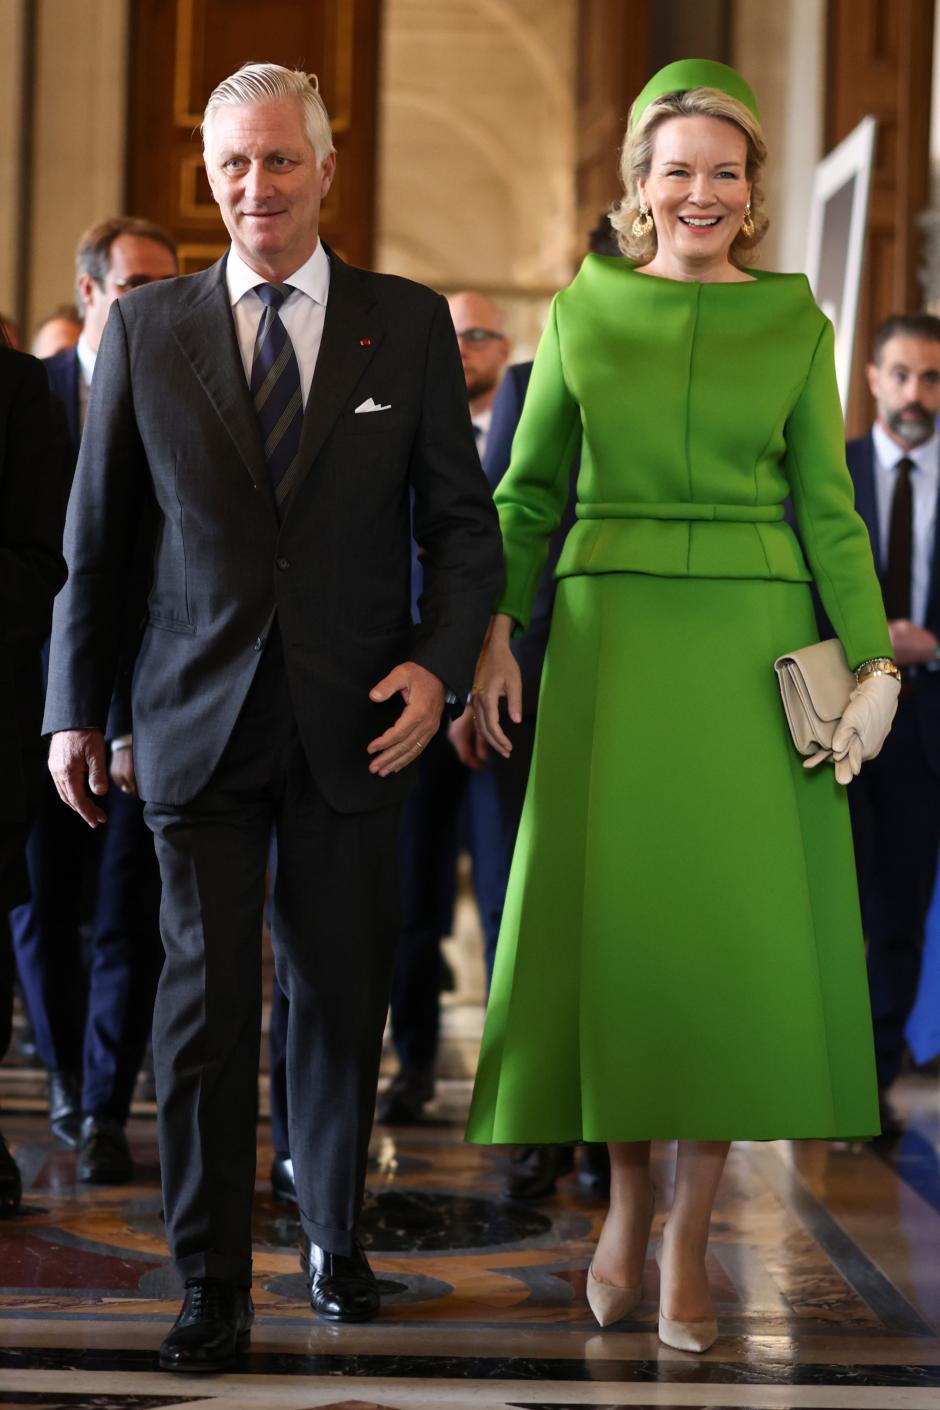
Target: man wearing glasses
484,352
91,1032
113,257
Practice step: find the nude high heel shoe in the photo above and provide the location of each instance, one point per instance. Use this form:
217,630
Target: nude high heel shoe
685,1336
607,1301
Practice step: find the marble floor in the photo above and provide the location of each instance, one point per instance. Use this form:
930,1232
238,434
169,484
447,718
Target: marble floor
825,1263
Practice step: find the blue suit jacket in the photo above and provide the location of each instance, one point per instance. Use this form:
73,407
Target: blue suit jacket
63,372
529,647
860,457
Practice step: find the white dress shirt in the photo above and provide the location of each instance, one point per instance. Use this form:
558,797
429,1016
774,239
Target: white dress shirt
86,367
302,314
482,420
925,482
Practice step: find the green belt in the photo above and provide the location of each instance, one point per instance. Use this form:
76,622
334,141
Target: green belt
640,509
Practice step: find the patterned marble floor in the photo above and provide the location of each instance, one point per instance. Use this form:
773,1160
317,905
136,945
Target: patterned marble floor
825,1263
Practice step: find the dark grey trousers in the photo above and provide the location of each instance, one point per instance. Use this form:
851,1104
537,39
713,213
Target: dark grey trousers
335,925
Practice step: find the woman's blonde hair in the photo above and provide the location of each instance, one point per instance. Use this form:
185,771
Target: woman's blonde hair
636,157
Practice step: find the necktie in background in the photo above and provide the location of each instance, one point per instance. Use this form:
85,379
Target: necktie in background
900,544
275,390
900,555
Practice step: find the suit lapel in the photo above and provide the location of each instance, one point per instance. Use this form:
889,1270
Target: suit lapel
933,591
866,501
206,335
351,335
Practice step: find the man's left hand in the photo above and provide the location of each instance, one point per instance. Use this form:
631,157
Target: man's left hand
423,694
912,645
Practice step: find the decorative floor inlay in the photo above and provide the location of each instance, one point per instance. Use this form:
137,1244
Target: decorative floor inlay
825,1265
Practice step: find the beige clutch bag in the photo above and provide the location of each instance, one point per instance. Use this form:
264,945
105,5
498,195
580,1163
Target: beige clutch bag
815,683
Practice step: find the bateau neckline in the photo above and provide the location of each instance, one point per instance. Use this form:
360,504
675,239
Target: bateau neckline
757,276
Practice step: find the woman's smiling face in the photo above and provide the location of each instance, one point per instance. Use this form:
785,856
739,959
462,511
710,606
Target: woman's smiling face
697,190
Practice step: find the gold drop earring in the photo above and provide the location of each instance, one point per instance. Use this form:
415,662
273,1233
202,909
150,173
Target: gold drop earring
643,225
747,224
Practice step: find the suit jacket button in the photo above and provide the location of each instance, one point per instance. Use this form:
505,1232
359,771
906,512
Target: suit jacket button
259,643
283,562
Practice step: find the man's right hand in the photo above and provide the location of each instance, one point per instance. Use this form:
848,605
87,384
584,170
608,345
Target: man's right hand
77,763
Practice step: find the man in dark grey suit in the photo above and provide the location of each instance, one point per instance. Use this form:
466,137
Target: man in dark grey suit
274,417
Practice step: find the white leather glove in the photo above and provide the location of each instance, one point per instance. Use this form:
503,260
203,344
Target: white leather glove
864,726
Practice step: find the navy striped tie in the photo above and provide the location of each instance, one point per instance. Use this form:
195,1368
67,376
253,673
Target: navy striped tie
275,390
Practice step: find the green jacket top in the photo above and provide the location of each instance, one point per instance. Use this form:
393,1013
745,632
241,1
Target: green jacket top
700,409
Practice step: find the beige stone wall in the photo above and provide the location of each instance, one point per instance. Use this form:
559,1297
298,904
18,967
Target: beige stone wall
477,149
13,25
780,49
72,127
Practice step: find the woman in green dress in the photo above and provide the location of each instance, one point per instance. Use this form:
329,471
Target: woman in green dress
681,952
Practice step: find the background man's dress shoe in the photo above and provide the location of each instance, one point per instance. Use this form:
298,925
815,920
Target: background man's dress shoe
405,1098
533,1170
11,1186
105,1157
282,1180
213,1326
342,1288
65,1107
892,1127
594,1169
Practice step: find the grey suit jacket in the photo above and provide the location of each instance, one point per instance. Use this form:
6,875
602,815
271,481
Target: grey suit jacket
171,436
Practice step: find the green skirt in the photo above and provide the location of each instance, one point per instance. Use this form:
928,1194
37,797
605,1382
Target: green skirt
681,950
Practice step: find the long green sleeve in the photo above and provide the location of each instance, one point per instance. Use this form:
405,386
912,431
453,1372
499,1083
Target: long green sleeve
834,536
532,494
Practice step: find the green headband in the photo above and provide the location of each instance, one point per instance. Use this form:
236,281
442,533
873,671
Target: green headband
694,73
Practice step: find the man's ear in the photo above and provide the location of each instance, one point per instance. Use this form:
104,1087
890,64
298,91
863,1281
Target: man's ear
205,162
85,288
871,372
327,172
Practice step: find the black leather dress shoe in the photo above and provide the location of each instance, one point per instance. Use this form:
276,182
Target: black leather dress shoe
105,1157
65,1107
892,1127
213,1326
534,1170
594,1169
11,1186
406,1096
342,1288
282,1180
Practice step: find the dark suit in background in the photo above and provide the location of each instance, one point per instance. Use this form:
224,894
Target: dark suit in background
895,806
266,628
33,491
512,774
92,1023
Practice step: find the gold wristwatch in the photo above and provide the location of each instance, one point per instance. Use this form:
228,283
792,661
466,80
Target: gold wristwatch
877,666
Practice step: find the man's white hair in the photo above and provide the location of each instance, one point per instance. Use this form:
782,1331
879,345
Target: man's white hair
260,83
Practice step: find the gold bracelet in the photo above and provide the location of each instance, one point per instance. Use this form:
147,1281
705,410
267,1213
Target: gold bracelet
877,666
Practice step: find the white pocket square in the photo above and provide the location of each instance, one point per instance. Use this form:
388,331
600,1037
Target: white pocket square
370,405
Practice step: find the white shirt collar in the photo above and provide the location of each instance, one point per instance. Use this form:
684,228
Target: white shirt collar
312,278
86,359
925,456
